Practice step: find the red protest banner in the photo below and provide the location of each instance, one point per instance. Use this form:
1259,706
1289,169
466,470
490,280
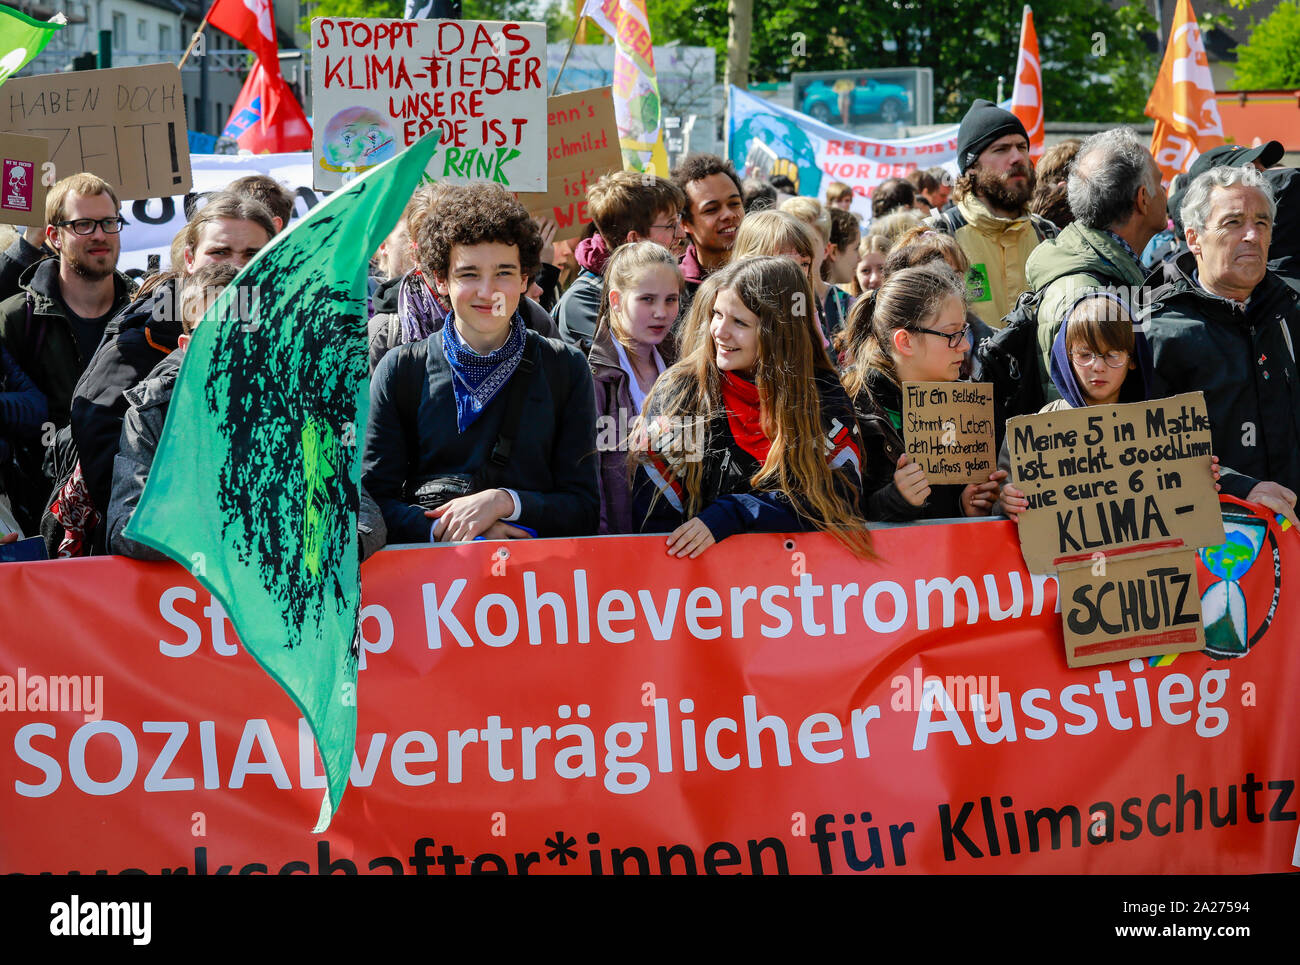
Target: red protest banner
592,706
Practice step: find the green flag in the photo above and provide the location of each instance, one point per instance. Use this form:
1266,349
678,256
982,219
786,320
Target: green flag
22,38
254,487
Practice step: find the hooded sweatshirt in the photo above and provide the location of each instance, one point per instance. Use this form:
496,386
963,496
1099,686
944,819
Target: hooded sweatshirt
578,309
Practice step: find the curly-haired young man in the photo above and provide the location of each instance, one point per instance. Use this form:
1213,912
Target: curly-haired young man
483,428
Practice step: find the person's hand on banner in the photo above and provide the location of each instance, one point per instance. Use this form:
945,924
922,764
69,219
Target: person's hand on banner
909,478
690,539
467,517
1275,497
977,499
1214,472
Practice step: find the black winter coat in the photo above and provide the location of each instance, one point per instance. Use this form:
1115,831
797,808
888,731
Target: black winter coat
140,337
412,436
1243,359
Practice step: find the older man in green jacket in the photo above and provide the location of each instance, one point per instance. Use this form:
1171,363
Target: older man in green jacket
1119,205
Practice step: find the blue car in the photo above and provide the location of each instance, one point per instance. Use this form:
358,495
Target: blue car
868,98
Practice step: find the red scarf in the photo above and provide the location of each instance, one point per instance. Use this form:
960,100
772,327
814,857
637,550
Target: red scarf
744,416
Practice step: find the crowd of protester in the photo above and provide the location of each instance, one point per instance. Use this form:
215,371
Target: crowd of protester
716,356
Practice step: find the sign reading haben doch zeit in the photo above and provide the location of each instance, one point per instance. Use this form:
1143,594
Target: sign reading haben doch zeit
380,84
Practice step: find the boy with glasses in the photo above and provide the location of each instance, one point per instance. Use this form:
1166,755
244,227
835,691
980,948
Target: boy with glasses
1096,360
625,207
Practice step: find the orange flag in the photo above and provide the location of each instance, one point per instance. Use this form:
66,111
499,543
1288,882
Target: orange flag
1182,102
1027,97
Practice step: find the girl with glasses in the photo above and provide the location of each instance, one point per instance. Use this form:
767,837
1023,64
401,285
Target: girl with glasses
911,329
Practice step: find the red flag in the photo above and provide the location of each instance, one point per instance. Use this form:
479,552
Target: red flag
251,22
268,130
1027,96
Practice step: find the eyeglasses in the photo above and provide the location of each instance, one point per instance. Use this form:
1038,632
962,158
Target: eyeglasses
1113,360
670,226
954,338
86,226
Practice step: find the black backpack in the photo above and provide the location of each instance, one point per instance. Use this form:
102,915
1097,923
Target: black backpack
1009,361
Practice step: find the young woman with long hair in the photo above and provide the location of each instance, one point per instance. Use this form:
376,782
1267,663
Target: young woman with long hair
748,432
630,349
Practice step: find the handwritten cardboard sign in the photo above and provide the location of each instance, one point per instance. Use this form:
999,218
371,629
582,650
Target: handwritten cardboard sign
1114,477
378,84
125,124
1135,606
582,145
949,431
22,179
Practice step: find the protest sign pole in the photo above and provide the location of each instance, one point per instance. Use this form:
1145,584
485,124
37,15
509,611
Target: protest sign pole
572,40
194,40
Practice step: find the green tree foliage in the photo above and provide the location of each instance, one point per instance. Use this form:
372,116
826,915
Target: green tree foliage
1270,59
1096,67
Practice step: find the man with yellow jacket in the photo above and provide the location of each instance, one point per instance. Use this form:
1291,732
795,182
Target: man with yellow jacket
991,219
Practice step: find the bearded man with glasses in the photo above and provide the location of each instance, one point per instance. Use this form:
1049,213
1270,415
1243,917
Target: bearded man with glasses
54,324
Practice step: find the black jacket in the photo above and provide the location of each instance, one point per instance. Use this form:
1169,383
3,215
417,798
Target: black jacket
1243,359
14,261
412,436
45,345
135,341
729,502
882,444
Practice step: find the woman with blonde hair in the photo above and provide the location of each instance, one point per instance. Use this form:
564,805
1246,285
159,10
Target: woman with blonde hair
631,347
775,233
747,432
870,272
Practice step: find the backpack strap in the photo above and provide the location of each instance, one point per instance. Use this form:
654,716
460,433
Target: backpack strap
953,219
1044,228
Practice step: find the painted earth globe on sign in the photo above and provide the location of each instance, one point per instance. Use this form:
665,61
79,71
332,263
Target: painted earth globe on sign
784,139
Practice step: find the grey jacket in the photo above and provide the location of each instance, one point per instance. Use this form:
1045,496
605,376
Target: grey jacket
142,428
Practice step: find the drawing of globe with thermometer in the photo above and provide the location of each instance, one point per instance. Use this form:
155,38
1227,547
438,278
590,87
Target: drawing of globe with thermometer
1238,609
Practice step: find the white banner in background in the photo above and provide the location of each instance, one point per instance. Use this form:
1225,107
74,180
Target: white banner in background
766,139
153,222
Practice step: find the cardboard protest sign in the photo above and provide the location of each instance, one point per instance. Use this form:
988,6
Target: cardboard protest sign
1130,606
22,181
379,84
582,145
125,124
948,430
1114,477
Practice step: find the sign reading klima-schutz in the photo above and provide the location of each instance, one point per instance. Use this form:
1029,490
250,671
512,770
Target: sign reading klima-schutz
378,85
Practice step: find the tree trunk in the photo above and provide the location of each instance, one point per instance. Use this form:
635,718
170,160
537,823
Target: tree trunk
740,29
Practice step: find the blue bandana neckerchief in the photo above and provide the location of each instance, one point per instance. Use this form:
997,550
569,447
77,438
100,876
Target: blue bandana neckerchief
476,379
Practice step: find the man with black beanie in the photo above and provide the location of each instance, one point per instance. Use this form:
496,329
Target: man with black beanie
991,219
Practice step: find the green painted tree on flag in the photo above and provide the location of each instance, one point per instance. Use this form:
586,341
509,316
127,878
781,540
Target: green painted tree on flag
255,483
